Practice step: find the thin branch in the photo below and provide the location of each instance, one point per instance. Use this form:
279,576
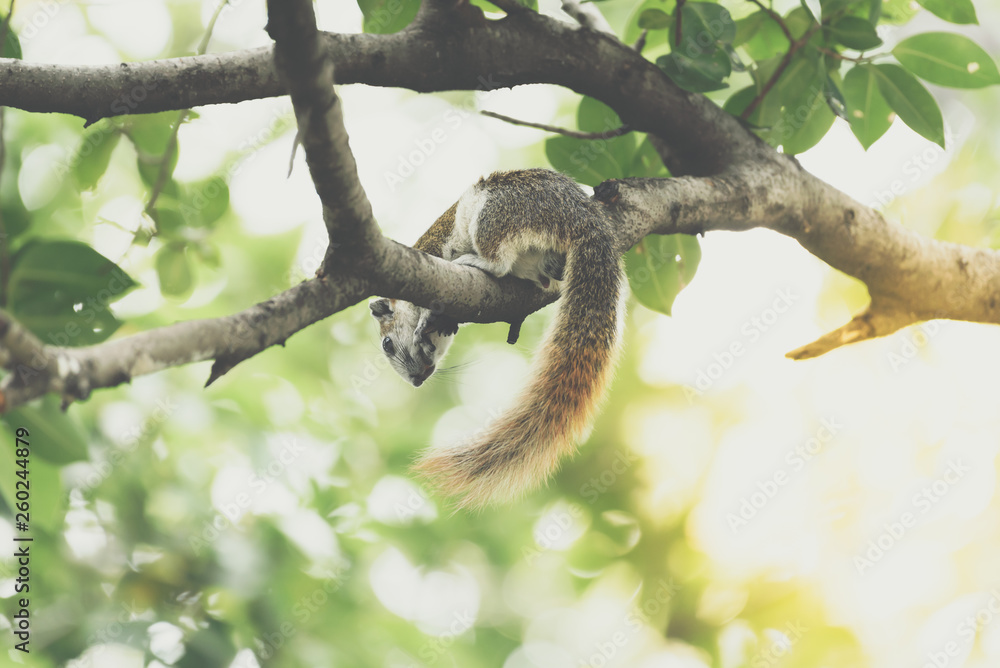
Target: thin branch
576,134
680,13
210,28
782,66
640,43
870,323
839,56
74,373
777,19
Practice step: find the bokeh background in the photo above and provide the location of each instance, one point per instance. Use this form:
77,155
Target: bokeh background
729,508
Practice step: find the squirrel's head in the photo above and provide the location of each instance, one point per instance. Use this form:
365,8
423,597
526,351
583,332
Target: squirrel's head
413,338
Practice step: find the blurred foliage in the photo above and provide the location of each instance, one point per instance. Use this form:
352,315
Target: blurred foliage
270,519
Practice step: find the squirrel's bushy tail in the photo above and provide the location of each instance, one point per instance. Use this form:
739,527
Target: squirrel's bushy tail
524,446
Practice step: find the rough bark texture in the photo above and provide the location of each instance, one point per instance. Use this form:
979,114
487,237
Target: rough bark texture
725,179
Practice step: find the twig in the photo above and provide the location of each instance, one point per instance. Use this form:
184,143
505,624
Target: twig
840,56
576,134
680,13
777,19
6,25
640,43
782,66
210,28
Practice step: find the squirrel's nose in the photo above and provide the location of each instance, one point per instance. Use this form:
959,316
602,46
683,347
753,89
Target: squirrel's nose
418,379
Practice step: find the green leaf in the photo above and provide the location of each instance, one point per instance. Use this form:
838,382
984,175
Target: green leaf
387,16
911,101
11,44
703,25
955,11
799,20
60,290
647,162
594,116
835,98
595,160
169,220
748,26
659,267
698,75
63,267
66,322
800,91
897,12
94,153
794,113
588,161
814,8
654,19
151,132
855,33
16,218
867,111
947,59
54,435
806,124
737,103
767,41
211,645
654,38
173,267
874,11
48,503
204,202
149,170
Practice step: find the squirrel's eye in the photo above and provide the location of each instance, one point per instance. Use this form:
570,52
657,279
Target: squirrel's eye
387,346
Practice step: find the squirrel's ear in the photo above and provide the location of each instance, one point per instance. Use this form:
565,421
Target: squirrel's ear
381,307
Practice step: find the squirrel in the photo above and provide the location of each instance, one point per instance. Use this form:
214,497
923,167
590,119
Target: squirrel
538,225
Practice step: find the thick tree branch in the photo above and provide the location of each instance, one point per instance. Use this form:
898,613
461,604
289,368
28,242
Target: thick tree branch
442,50
308,73
910,278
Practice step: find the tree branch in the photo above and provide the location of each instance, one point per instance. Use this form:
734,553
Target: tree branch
615,132
308,73
522,48
38,369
